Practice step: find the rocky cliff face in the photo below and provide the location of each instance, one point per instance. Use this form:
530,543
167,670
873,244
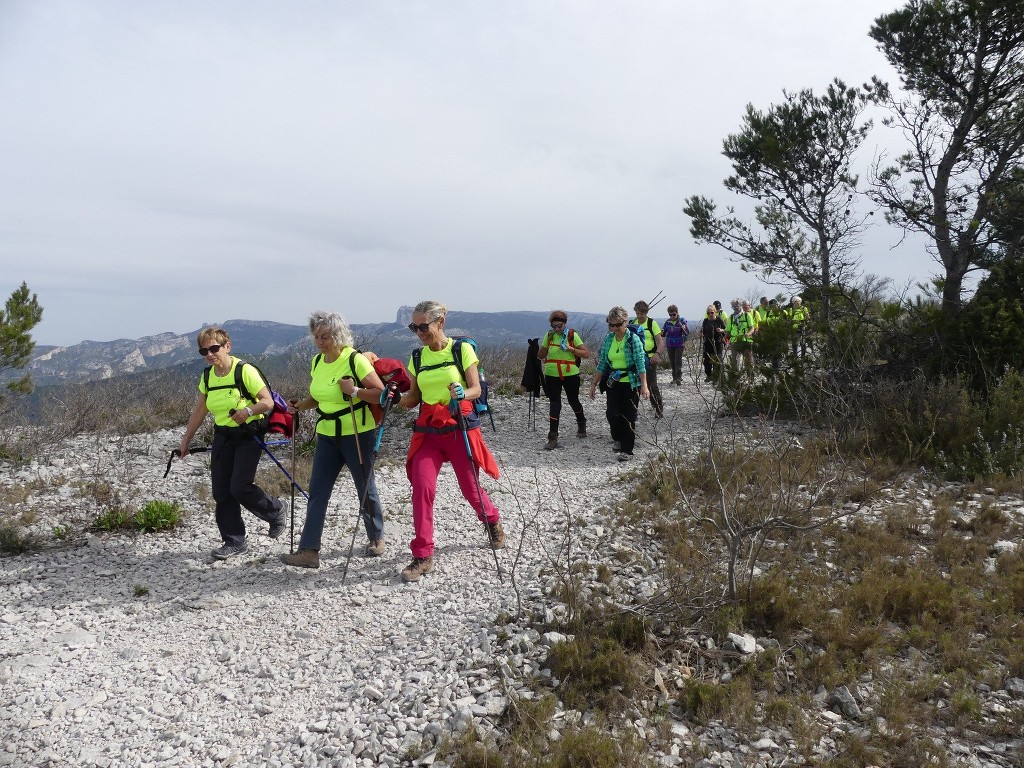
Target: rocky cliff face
93,360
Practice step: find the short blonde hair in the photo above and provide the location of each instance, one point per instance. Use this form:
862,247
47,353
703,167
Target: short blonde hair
617,315
435,310
214,333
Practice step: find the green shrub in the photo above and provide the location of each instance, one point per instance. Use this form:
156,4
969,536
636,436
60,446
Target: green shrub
14,540
157,515
114,519
592,748
594,671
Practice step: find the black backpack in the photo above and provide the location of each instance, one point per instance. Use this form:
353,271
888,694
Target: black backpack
480,404
278,420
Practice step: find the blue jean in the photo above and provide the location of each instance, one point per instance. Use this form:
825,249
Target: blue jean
328,459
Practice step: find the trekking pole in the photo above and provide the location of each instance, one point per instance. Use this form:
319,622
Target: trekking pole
369,477
176,452
456,409
291,543
366,484
272,456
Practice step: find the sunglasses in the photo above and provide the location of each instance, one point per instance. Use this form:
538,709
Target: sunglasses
421,327
615,325
672,314
557,322
213,349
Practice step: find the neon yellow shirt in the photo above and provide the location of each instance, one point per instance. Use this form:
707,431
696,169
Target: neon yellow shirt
616,353
559,361
325,389
651,336
220,402
433,381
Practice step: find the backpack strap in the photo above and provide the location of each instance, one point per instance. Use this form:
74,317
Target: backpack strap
355,406
456,360
239,381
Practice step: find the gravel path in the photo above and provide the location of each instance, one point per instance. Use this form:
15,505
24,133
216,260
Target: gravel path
121,650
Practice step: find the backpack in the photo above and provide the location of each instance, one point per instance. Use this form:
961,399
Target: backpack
568,338
386,368
638,330
278,420
480,404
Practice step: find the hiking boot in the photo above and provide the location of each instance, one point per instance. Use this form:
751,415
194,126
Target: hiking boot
375,548
625,456
552,443
581,429
616,446
418,567
496,534
304,558
228,550
279,523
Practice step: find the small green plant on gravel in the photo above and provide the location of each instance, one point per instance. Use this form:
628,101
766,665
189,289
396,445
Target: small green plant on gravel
61,532
157,515
113,519
140,590
14,540
595,671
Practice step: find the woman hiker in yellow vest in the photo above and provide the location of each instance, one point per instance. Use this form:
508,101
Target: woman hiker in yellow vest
561,350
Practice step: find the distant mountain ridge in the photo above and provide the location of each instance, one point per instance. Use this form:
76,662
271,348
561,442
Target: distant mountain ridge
93,360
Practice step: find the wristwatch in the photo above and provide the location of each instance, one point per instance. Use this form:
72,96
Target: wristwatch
250,411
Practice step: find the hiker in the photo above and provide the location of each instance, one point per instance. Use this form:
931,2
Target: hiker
234,454
761,310
342,385
676,331
712,333
654,349
561,350
799,315
742,339
622,375
446,423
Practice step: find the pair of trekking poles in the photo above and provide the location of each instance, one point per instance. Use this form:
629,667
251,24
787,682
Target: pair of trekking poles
367,472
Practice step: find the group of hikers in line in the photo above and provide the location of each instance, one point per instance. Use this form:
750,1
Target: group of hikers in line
351,397
344,389
736,331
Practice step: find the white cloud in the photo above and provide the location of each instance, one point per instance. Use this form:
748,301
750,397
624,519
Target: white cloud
166,164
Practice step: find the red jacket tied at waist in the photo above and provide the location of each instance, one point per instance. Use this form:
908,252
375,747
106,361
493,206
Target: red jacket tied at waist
437,416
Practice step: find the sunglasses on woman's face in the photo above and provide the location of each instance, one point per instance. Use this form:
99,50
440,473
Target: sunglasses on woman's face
213,349
615,325
421,327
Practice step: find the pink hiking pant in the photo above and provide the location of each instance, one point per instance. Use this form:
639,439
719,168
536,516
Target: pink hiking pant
424,468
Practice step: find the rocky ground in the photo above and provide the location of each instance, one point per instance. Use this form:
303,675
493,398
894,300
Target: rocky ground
141,650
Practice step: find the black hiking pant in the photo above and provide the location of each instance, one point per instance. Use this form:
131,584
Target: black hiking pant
234,456
553,386
621,409
652,386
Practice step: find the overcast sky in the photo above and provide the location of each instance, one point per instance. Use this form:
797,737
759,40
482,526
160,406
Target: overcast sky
169,164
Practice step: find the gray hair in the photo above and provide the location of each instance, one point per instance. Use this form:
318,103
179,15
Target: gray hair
617,315
432,309
333,322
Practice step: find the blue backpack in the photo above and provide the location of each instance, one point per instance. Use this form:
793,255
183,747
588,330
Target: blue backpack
480,404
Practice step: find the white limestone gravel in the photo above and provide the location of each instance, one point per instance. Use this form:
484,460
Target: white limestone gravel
142,650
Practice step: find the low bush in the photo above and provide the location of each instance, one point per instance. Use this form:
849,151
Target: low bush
156,516
15,540
595,672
